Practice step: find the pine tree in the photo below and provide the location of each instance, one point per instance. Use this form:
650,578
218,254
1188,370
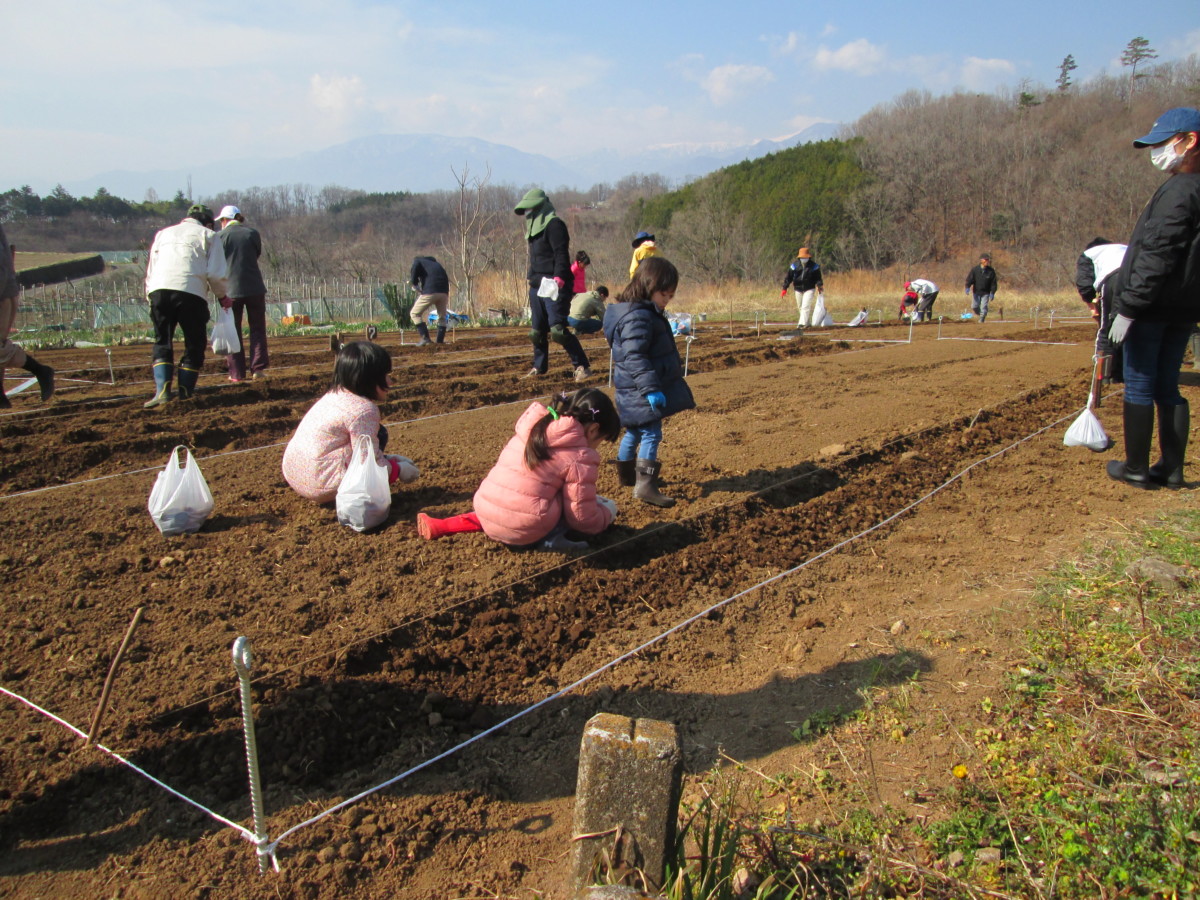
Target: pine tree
1066,67
1137,51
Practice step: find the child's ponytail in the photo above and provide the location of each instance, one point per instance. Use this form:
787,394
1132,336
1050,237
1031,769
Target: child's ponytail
585,406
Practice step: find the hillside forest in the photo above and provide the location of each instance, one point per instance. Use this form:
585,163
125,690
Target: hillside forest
1030,176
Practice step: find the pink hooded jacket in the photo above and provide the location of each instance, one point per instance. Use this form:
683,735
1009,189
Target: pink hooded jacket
517,505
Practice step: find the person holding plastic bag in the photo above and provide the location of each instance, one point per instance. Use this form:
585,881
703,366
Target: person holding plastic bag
804,277
184,261
544,483
320,451
247,294
1157,303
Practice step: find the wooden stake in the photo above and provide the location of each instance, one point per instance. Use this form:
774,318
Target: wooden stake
98,716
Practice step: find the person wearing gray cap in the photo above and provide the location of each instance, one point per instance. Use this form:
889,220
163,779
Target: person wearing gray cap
247,291
1157,301
184,261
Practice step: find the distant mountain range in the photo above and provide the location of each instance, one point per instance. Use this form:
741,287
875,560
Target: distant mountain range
422,162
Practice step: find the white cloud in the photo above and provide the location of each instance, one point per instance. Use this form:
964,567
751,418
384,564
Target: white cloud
859,57
726,83
338,95
1184,45
985,74
829,30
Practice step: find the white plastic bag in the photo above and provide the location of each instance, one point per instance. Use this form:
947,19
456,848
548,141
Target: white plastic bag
363,498
1086,431
820,317
180,501
548,289
225,337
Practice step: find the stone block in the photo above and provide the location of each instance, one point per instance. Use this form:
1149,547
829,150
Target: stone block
626,799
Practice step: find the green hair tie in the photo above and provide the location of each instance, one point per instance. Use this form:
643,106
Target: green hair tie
553,412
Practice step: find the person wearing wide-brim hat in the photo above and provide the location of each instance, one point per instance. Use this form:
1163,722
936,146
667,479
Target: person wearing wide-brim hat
804,277
643,248
1157,301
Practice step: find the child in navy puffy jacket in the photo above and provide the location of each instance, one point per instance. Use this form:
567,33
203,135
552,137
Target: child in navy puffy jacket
647,373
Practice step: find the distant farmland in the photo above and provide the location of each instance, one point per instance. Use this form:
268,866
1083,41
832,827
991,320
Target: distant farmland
53,268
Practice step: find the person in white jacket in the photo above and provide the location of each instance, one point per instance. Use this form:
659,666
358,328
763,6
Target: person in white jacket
185,260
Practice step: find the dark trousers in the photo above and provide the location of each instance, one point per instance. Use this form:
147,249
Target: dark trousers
256,316
925,307
170,309
544,315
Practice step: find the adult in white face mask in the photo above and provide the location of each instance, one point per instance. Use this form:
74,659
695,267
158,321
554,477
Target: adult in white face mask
1157,302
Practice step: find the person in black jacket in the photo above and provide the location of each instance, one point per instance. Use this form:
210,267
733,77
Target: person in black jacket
982,282
647,374
1095,275
432,283
1157,303
549,260
804,277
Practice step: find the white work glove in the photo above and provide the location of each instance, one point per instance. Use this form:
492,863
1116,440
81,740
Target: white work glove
1120,328
408,472
607,504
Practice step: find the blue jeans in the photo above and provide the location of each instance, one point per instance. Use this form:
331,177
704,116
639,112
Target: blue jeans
640,441
584,326
980,303
1153,353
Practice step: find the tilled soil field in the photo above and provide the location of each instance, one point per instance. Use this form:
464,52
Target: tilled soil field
376,652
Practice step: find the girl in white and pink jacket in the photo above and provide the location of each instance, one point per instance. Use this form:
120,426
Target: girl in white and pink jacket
319,452
544,483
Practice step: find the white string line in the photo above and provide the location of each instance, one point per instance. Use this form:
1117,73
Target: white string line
273,846
1007,341
59,487
248,835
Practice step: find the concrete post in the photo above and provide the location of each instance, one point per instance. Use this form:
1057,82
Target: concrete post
626,798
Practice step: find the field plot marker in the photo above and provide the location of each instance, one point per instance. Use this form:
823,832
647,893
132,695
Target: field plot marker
98,715
241,664
112,378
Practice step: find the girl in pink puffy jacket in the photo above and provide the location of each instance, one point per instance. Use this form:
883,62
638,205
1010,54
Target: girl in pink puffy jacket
544,483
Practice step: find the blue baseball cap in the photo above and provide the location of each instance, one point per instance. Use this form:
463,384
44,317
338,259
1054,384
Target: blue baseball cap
1169,124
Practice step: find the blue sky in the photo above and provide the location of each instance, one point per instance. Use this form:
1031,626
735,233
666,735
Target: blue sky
144,84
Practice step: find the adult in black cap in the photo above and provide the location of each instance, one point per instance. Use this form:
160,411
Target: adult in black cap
549,260
1157,303
184,261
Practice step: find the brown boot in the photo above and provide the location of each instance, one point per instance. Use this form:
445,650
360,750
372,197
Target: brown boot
646,488
625,472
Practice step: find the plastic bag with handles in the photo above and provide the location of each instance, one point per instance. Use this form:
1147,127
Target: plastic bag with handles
225,337
180,501
364,498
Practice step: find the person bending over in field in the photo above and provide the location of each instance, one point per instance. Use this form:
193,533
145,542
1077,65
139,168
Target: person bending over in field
544,483
319,452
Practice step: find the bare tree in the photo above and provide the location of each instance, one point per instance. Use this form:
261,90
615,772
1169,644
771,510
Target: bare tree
474,218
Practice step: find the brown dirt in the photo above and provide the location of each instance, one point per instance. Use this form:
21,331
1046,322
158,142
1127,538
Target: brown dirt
376,652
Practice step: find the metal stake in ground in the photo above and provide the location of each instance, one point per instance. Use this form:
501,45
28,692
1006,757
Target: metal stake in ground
111,377
241,663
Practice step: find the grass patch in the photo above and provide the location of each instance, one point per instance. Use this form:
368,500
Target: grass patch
1085,781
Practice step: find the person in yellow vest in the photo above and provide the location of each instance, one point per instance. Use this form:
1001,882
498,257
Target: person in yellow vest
643,248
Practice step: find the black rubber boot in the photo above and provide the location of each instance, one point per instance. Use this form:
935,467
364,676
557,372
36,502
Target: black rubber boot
1139,432
1173,425
646,488
626,472
423,331
441,334
162,386
43,374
